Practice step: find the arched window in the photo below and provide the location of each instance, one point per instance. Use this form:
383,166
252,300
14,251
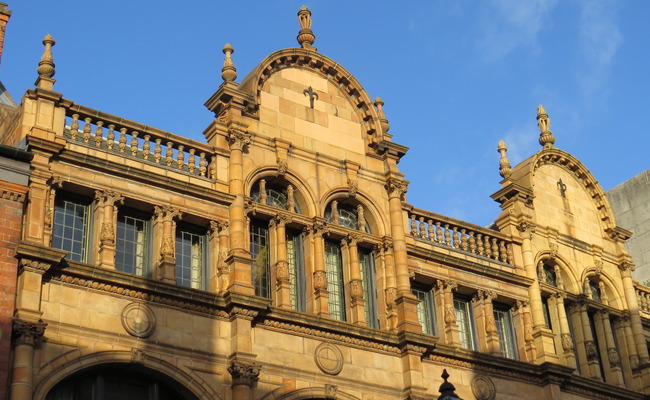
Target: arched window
347,215
275,193
549,275
119,382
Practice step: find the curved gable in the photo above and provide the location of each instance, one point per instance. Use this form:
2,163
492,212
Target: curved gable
341,115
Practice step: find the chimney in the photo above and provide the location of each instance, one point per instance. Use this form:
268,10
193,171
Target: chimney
4,18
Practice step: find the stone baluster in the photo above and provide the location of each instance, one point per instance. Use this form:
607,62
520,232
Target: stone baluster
447,235
212,167
479,243
169,154
439,237
134,143
423,231
74,127
110,137
413,227
430,230
99,133
157,151
495,249
488,249
146,147
464,244
122,140
472,242
86,131
503,253
191,161
180,157
202,164
456,238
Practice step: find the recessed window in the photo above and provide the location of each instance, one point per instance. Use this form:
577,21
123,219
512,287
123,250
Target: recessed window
295,260
190,257
426,310
132,242
259,248
465,321
506,331
367,267
71,227
276,194
347,215
334,273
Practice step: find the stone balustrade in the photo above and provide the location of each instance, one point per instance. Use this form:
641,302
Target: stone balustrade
643,296
460,235
118,135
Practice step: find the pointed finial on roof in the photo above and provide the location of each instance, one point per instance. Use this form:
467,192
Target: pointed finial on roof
504,164
228,72
305,35
379,103
546,138
46,65
447,389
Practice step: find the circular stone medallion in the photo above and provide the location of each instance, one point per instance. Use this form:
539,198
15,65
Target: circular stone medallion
328,358
138,320
483,388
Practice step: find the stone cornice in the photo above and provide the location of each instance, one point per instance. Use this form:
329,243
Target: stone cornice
462,264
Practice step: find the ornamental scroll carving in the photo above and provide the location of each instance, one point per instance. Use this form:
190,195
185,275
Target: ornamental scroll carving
244,373
396,188
28,333
592,351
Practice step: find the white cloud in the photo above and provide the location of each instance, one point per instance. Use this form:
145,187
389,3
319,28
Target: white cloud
600,39
510,24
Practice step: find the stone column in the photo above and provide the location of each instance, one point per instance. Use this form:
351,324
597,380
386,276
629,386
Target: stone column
165,240
591,351
484,313
406,302
629,360
635,323
357,303
565,332
543,337
523,326
27,336
282,282
106,214
390,291
610,356
239,259
444,299
244,376
321,295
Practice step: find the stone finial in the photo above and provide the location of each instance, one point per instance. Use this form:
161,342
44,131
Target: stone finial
546,138
447,389
46,65
228,72
504,164
305,35
385,126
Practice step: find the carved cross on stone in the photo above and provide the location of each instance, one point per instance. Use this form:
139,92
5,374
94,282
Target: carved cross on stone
312,95
562,187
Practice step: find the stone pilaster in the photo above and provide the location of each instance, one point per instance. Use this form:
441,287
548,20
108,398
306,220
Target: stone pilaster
282,282
486,326
357,303
165,240
523,326
106,217
444,299
390,291
611,359
568,350
321,295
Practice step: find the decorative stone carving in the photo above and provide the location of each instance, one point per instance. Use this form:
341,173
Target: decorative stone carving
138,356
391,295
330,392
361,219
238,139
305,36
504,164
244,373
546,138
450,315
281,271
320,280
356,289
396,188
328,358
567,342
138,320
283,166
483,388
46,65
228,72
28,333
353,187
592,351
614,358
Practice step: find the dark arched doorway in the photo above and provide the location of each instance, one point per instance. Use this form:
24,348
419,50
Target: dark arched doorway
119,382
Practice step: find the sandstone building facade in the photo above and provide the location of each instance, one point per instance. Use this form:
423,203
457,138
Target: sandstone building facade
279,258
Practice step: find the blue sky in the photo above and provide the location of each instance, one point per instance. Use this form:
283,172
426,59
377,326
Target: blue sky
456,76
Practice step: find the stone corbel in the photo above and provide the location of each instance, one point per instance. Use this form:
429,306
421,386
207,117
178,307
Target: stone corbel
352,171
282,155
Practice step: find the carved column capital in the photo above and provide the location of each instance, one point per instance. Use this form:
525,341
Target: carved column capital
522,305
280,219
28,333
526,229
396,188
108,198
244,372
167,213
484,294
238,139
446,285
318,226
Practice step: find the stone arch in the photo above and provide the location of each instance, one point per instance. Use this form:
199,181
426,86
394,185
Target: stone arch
572,283
373,215
304,196
316,393
73,362
329,70
615,297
